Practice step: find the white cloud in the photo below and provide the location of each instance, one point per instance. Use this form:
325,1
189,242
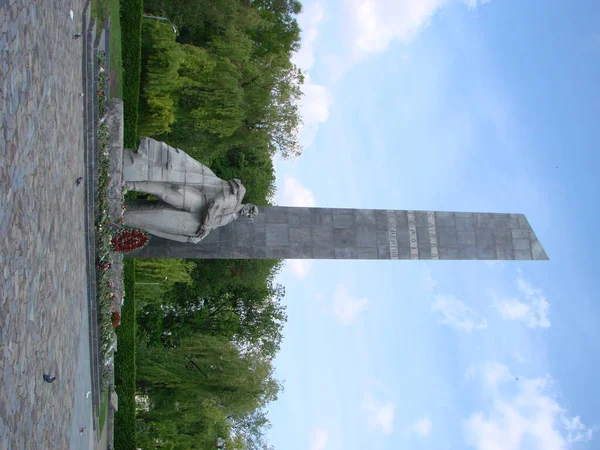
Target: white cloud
533,310
520,356
295,194
458,315
538,302
314,109
575,430
421,427
429,283
522,414
380,414
473,3
379,22
346,307
309,20
511,308
316,100
300,268
318,439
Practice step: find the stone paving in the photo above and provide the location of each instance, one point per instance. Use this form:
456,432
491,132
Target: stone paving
43,293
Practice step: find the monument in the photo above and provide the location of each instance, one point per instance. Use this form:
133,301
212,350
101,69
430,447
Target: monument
198,215
192,199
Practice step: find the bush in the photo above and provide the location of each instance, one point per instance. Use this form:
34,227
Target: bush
125,424
131,47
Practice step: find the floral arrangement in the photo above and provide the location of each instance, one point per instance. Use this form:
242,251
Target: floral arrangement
102,80
103,265
129,240
116,319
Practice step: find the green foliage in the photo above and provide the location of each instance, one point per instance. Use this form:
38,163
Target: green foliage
238,85
161,58
125,365
131,39
204,355
225,91
155,270
251,164
103,408
243,306
201,389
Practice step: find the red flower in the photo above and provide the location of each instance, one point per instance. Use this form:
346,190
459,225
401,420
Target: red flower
129,240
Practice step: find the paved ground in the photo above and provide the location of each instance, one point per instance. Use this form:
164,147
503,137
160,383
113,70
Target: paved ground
43,306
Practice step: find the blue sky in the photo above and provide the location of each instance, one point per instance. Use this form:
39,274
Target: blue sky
447,105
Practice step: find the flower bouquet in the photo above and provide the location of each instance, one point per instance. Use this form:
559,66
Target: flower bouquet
116,319
128,240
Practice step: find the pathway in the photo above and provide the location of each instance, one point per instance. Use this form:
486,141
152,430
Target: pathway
43,304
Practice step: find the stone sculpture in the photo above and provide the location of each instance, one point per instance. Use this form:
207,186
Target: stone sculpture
193,201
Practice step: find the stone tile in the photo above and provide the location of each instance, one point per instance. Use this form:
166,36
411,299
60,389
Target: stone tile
368,253
365,217
277,235
343,218
465,238
448,253
366,236
276,215
300,234
344,237
322,234
401,219
465,221
447,237
43,283
300,250
422,220
323,251
445,219
298,217
320,216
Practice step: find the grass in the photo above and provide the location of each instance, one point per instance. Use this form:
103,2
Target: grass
103,407
101,10
125,425
131,52
116,60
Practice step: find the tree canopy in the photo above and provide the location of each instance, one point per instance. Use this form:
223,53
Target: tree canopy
225,90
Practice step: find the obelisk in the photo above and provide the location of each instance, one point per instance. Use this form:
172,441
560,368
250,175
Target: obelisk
281,232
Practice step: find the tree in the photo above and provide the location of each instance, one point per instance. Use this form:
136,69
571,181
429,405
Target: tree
206,386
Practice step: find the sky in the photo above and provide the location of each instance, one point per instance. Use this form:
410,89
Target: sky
455,105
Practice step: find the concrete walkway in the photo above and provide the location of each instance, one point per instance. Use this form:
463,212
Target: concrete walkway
43,294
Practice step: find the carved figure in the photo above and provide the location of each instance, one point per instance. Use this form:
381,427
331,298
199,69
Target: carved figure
193,201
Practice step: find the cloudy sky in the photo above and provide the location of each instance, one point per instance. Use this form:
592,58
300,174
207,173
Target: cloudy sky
464,105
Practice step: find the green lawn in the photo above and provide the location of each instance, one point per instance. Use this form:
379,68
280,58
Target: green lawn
103,407
116,61
101,10
125,365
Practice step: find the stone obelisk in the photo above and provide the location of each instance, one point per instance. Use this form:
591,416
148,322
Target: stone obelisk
280,232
